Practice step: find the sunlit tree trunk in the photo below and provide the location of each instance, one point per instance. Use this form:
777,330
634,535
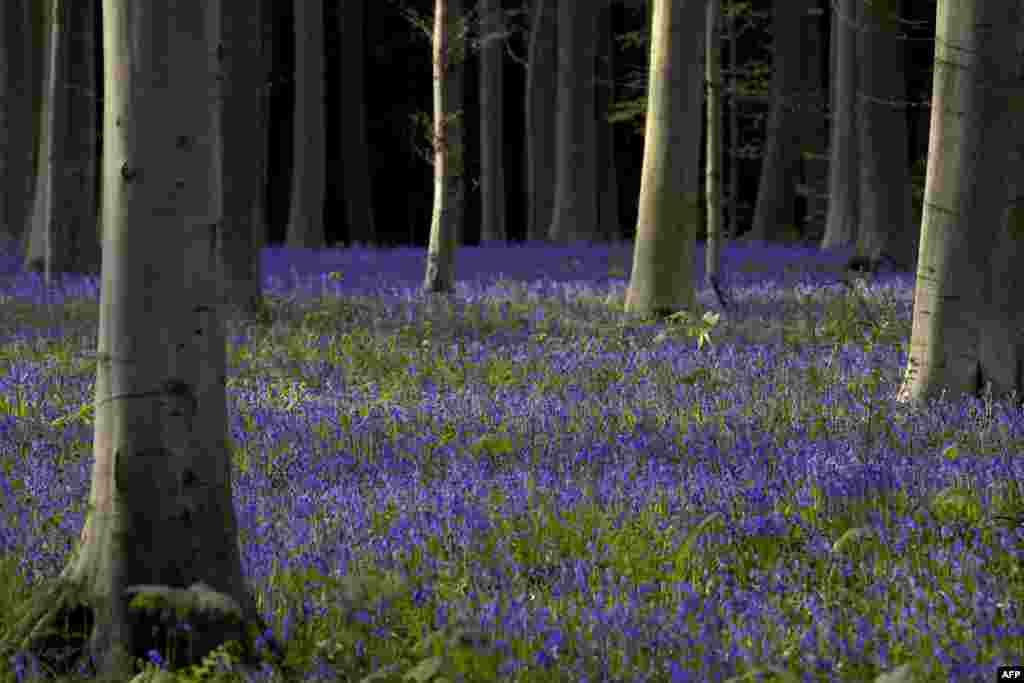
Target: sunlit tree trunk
17,80
713,154
161,520
541,94
449,186
662,277
64,213
843,184
354,143
241,28
574,216
969,295
884,203
607,176
492,164
775,211
305,220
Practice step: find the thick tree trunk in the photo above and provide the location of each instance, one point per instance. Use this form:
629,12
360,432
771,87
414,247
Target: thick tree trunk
713,154
541,94
239,249
64,214
574,217
662,278
607,178
775,211
161,524
885,226
306,217
354,142
449,187
969,295
492,165
814,157
843,184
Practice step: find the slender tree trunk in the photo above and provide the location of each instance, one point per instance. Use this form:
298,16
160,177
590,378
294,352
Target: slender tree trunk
969,295
713,174
492,165
305,221
843,209
662,278
608,204
775,211
885,216
575,211
354,141
449,187
64,214
161,523
814,144
541,94
241,132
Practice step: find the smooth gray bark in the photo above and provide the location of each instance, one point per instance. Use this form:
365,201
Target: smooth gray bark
492,84
541,94
358,176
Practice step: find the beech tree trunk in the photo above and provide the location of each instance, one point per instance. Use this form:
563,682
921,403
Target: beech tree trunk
541,94
492,126
775,211
607,177
17,84
449,185
969,294
662,279
843,184
713,154
306,217
161,525
574,216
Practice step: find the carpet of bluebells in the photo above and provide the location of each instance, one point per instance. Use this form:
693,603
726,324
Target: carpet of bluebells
521,482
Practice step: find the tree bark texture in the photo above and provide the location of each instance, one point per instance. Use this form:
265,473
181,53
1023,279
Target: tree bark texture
541,96
358,176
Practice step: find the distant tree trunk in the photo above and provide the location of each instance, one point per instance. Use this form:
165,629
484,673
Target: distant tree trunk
305,221
64,215
713,175
161,520
969,295
16,118
449,186
492,164
575,211
662,277
843,185
241,132
608,183
541,94
885,226
354,143
775,211
814,139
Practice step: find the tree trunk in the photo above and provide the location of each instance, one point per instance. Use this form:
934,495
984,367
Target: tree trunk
541,94
969,296
64,214
775,211
492,165
662,278
575,210
354,144
306,217
16,118
885,226
814,144
449,186
241,131
161,525
841,224
713,154
608,182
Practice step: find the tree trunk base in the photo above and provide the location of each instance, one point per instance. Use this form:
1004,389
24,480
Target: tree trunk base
57,625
